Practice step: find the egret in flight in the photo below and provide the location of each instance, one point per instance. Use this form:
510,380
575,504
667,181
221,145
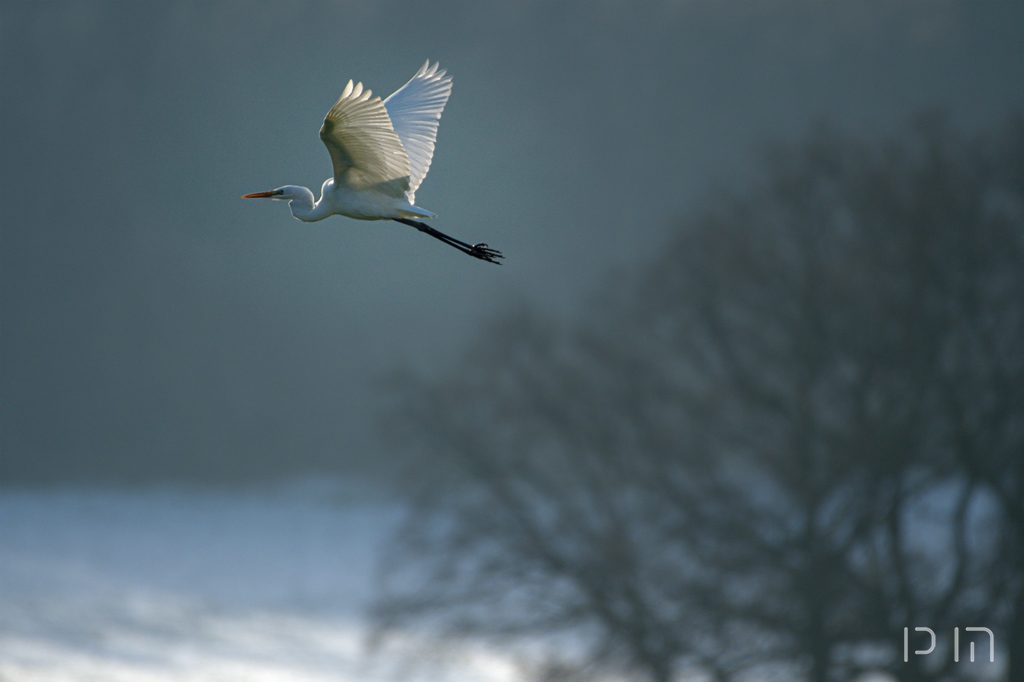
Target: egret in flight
381,152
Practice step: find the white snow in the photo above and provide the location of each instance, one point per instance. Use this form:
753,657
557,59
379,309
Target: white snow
206,586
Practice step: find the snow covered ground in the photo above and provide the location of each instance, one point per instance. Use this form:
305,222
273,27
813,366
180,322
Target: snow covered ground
173,584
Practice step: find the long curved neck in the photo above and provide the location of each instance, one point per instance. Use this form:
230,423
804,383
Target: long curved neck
302,206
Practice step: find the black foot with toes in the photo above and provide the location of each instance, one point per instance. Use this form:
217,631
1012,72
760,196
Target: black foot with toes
483,252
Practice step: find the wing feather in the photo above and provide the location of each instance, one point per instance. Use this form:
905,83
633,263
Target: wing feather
415,111
365,151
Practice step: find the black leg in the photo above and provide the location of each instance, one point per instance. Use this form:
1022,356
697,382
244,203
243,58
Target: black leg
481,251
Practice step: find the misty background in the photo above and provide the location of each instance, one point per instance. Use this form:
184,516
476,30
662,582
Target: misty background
743,402
156,327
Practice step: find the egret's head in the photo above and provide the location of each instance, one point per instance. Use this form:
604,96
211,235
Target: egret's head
286,193
300,201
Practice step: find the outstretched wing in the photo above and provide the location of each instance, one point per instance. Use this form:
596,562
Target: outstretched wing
415,111
364,148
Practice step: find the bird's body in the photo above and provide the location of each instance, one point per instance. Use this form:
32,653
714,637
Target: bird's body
381,151
336,199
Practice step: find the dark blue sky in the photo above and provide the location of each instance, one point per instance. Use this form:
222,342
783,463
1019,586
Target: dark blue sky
153,325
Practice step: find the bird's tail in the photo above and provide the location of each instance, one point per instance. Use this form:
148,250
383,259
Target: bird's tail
416,212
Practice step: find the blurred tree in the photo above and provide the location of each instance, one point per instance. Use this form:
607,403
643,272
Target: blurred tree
795,433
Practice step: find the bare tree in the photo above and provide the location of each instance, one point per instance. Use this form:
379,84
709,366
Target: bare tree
795,433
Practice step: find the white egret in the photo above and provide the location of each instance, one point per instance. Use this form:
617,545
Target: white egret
381,152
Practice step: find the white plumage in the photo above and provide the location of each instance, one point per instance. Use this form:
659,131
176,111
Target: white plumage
380,152
415,111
